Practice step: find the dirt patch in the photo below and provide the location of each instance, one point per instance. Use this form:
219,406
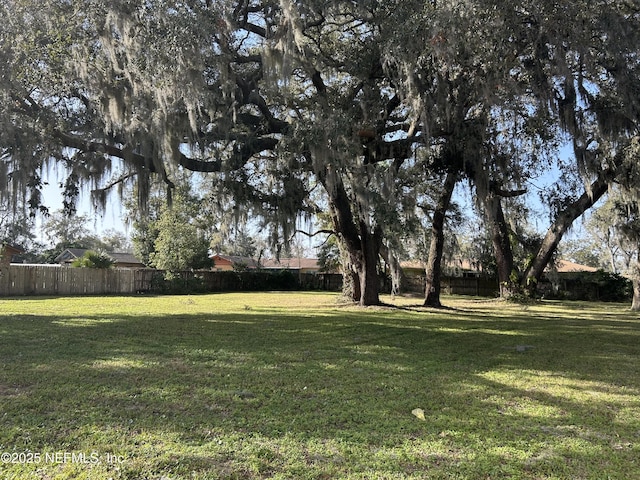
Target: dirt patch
12,391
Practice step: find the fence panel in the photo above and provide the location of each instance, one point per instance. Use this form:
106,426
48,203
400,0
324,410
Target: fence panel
58,280
475,286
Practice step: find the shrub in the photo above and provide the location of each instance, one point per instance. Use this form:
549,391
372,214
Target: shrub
231,281
177,283
601,286
613,287
92,259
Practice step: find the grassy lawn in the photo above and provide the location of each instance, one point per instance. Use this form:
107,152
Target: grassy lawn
293,385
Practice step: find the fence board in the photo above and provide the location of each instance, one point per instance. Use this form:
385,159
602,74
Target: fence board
58,280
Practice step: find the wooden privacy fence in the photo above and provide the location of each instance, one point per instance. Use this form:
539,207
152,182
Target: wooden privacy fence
18,280
59,280
249,280
475,286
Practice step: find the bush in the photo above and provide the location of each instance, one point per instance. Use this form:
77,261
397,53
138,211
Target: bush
208,281
261,280
172,283
92,259
600,286
278,280
613,287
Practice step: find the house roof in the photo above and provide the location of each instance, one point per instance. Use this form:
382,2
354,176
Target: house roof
293,263
6,249
70,254
123,257
412,264
561,266
566,266
235,259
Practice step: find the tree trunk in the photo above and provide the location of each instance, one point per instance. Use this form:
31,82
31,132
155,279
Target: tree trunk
369,280
361,246
612,258
564,220
501,244
350,277
635,279
491,194
433,271
635,303
398,278
362,266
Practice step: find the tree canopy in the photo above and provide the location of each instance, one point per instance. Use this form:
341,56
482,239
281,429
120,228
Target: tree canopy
367,102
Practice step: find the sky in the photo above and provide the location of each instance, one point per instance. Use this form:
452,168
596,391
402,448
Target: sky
111,219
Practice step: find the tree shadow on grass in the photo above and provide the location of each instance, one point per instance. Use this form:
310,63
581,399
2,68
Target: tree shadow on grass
255,394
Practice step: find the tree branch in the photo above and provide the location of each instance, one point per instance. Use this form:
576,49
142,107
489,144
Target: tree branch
140,161
318,232
113,183
376,150
317,81
275,124
509,193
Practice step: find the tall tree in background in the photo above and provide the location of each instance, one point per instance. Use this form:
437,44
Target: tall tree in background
173,236
627,223
608,235
600,244
64,231
180,243
17,228
238,243
115,241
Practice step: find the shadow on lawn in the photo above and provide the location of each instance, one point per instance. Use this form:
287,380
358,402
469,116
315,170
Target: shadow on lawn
237,385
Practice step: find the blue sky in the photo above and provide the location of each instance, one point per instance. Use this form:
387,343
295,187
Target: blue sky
111,219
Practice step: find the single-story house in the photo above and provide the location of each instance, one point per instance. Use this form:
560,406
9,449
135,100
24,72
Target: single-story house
300,265
126,260
69,255
413,268
120,259
223,263
570,280
7,252
567,266
466,268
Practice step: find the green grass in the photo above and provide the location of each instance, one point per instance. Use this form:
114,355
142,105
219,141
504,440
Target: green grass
294,385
